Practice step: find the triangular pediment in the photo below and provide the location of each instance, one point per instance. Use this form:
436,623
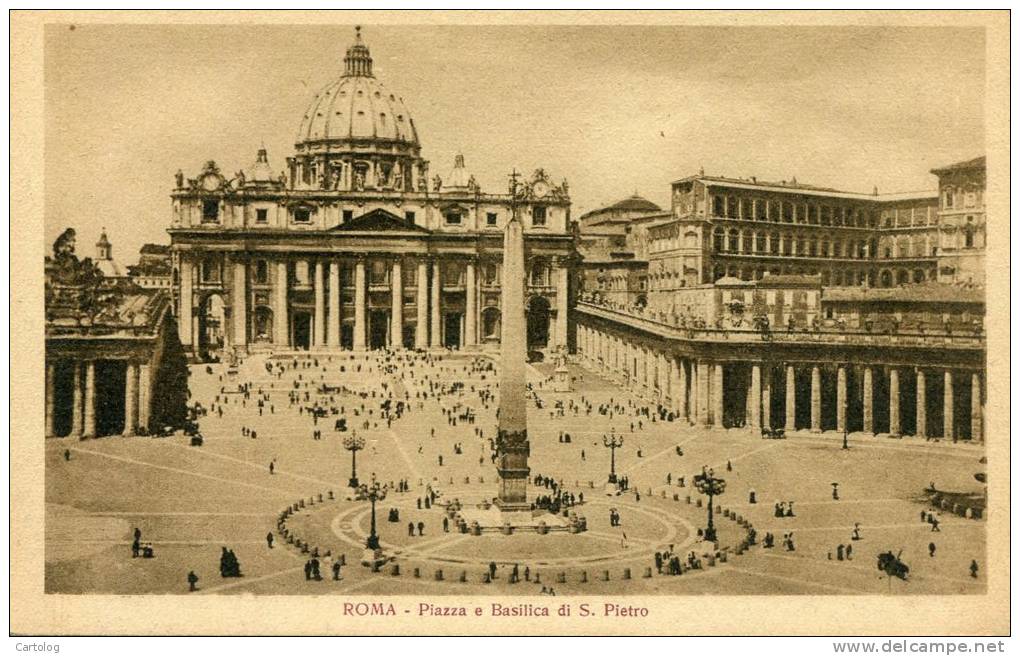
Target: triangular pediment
379,220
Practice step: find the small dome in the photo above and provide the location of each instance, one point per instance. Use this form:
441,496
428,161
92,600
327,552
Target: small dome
260,171
635,203
357,106
459,177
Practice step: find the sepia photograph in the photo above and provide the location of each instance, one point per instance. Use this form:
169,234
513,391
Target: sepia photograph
421,314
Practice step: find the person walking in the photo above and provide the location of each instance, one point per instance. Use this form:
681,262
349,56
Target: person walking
269,539
192,581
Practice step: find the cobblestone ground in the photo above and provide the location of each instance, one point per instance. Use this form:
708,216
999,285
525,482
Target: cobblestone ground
190,502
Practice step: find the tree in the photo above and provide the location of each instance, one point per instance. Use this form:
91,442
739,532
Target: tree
170,380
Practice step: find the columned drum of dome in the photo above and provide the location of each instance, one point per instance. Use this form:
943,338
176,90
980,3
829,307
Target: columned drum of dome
356,195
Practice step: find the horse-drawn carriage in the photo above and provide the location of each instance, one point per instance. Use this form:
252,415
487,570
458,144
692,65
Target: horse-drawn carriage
893,566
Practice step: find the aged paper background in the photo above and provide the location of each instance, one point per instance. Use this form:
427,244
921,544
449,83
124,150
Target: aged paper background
32,612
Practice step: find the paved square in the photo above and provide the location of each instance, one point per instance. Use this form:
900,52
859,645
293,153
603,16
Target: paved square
191,502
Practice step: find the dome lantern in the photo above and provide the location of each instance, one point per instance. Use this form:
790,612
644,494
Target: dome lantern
358,62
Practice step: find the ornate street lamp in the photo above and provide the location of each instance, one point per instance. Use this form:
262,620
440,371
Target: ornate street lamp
709,485
373,493
612,442
354,443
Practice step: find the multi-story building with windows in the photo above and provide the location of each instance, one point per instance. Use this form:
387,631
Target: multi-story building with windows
354,246
786,306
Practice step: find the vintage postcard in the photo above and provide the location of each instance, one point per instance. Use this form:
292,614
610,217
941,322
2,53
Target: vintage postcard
441,323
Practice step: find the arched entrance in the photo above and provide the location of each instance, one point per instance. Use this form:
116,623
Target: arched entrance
302,327
451,329
263,328
538,323
378,329
491,323
212,322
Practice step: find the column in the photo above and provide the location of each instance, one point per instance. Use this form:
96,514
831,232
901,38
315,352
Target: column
471,311
922,407
718,396
816,399
421,332
281,322
239,300
143,396
949,430
841,401
868,401
692,403
755,394
703,393
359,304
976,424
894,402
681,399
50,372
184,315
397,305
77,405
766,399
320,304
333,328
131,399
791,398
436,339
562,305
90,399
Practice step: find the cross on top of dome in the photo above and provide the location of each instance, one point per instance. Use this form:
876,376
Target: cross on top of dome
358,62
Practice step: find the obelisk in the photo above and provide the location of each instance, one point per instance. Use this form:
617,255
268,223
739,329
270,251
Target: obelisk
512,448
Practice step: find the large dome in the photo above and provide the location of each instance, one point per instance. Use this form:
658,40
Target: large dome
357,106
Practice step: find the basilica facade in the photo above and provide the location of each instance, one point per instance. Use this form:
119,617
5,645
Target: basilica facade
356,244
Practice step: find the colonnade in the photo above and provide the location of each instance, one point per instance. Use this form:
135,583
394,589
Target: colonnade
812,396
431,302
84,408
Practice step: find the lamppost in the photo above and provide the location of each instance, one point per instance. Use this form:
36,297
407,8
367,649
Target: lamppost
709,485
612,442
354,443
373,493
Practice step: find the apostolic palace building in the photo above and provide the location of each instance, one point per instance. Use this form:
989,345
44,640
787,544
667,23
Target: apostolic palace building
356,244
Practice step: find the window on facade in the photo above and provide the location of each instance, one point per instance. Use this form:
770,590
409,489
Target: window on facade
717,206
409,217
261,272
491,218
261,216
302,215
948,199
379,272
718,240
538,215
210,211
453,218
348,216
787,212
968,239
211,270
731,207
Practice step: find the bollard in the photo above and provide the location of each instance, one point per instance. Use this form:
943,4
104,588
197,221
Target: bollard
481,479
439,575
663,494
417,573
605,575
451,480
626,573
584,576
395,571
676,497
463,577
688,499
648,573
